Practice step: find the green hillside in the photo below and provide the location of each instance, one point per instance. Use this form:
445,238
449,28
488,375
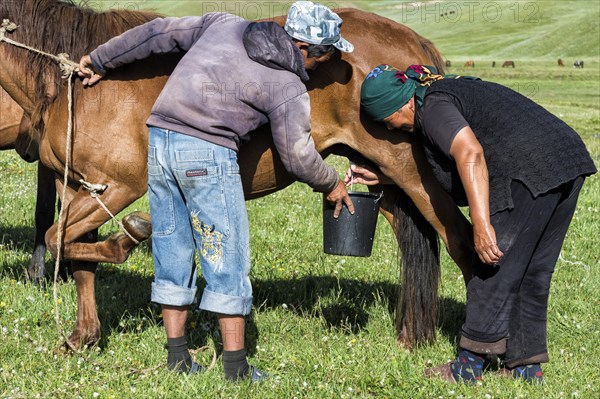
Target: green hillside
246,9
503,29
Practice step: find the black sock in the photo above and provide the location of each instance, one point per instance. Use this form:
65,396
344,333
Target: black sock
178,356
235,364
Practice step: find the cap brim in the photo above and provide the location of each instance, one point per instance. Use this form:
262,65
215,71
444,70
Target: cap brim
344,45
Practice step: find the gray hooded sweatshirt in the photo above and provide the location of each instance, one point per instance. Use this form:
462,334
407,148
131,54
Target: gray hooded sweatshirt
235,76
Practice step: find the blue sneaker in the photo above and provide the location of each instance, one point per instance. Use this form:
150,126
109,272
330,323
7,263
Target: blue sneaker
255,375
195,368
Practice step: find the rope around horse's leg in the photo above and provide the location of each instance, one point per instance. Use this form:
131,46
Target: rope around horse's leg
94,189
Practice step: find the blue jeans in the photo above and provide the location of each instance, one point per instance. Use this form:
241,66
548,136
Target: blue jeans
197,205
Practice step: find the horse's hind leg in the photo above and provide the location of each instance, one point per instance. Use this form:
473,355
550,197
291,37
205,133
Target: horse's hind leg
44,218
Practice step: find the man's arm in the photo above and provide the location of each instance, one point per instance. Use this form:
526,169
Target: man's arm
159,36
472,168
290,127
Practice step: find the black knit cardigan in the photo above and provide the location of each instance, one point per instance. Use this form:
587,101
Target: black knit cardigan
521,140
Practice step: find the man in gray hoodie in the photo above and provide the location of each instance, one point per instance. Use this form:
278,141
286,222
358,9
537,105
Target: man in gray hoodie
235,76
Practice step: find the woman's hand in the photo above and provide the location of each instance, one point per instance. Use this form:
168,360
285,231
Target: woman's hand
365,175
484,237
469,156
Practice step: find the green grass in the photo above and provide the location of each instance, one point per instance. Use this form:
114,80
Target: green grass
324,325
504,29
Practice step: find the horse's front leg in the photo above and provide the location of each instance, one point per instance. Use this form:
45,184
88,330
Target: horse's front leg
82,217
84,214
87,326
86,332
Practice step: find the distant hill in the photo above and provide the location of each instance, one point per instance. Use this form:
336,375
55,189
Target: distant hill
246,9
501,29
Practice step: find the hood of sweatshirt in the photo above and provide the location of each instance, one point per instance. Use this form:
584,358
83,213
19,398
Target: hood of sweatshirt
269,44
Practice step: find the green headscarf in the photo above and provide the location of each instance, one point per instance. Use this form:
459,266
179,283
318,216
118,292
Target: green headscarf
387,89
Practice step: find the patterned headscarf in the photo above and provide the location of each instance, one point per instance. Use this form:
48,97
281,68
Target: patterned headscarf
387,89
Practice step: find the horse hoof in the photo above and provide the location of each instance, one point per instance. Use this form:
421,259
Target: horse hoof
68,349
138,224
35,273
77,342
404,340
405,343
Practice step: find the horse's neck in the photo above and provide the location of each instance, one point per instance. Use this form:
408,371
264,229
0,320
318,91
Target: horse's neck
15,82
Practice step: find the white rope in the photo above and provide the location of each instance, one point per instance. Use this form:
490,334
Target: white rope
95,190
576,263
67,67
60,215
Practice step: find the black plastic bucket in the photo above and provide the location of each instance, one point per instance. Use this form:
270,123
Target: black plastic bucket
351,235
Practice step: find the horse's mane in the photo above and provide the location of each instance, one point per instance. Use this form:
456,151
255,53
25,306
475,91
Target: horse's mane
60,26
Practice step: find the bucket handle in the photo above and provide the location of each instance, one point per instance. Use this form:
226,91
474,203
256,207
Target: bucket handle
379,198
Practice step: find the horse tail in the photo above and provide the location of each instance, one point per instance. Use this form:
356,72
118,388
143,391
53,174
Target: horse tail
418,301
433,54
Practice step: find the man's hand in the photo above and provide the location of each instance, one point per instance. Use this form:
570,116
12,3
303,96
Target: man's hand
86,71
484,237
339,195
365,175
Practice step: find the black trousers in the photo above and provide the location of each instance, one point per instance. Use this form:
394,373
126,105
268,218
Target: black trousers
507,304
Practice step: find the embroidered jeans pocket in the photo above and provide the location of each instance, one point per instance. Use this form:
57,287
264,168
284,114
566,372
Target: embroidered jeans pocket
199,173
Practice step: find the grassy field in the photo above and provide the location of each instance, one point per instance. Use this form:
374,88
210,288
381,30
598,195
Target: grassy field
322,325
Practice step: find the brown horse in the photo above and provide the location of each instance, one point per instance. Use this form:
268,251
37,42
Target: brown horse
110,145
10,120
14,126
